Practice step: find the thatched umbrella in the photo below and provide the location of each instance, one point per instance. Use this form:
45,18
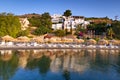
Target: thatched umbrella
7,38
69,40
58,40
79,40
91,41
38,39
102,42
23,39
113,41
54,39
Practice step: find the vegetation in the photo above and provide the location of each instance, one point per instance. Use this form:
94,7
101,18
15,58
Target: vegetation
35,21
23,33
9,25
67,13
60,33
116,29
80,31
44,64
46,20
43,23
42,30
110,33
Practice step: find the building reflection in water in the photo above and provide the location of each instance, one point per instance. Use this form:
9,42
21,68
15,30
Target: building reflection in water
64,59
23,58
6,55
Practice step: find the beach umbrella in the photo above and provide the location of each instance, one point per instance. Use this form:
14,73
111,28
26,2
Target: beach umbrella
54,39
113,41
7,38
78,40
71,36
23,39
58,40
91,41
38,39
69,40
102,42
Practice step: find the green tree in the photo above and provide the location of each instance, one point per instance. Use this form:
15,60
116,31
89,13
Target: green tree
41,20
67,13
60,33
43,23
46,20
100,28
35,21
9,24
116,29
110,32
42,30
23,33
79,29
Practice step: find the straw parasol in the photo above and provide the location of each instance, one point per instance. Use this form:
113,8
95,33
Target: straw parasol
113,41
102,42
23,39
91,41
54,39
38,39
69,40
79,40
7,38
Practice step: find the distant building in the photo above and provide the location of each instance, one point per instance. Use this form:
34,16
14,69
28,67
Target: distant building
24,23
62,22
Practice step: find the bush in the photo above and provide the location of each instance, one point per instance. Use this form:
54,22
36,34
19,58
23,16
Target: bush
60,33
42,30
23,33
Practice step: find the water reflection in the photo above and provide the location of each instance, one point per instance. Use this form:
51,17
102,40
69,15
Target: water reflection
64,63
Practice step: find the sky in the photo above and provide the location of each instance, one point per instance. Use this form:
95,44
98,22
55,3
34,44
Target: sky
87,8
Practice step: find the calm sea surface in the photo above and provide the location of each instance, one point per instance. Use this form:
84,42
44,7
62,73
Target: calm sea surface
60,64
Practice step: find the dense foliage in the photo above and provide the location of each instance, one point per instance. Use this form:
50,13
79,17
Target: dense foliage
9,25
23,33
60,33
42,30
67,13
43,23
35,21
116,29
46,20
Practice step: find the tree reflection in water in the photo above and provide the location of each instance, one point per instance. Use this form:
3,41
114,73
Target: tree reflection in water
8,68
66,74
65,64
44,64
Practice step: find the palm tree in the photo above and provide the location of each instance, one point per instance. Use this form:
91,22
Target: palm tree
110,32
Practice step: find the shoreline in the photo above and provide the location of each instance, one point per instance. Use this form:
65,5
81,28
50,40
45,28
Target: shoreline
39,47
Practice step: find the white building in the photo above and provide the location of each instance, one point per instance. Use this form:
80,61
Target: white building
57,26
62,22
24,23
